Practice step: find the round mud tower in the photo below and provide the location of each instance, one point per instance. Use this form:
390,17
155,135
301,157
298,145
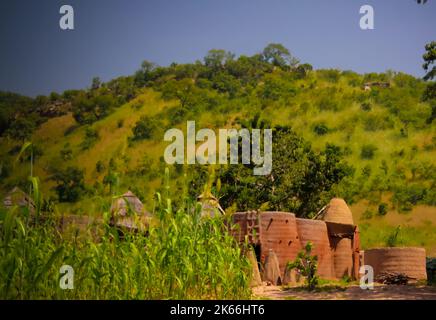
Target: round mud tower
278,232
410,261
315,231
342,257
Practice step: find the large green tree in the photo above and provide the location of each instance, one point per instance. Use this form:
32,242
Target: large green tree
430,67
21,129
430,61
279,56
301,180
217,58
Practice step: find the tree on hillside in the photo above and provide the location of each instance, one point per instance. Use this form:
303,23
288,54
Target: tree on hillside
430,67
87,110
96,83
217,58
145,128
249,69
70,184
184,90
21,129
301,179
279,56
143,75
12,106
430,61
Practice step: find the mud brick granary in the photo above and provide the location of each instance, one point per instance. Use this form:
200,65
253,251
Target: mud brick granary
408,261
333,234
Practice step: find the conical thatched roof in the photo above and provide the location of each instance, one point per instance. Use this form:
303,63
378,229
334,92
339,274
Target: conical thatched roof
17,197
209,205
337,211
127,204
128,212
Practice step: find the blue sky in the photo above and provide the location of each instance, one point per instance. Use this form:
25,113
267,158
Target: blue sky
112,37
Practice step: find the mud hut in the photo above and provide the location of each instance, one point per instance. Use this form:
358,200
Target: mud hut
127,212
17,197
209,205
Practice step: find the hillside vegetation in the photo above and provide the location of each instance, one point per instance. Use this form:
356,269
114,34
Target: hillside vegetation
363,137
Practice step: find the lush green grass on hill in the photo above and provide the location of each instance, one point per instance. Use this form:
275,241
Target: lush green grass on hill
383,133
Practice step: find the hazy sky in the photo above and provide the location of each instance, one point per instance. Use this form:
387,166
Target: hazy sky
112,37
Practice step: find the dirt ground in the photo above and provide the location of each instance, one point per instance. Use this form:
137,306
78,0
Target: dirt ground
380,292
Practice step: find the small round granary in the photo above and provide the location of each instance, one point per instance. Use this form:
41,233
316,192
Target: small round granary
409,260
315,231
337,211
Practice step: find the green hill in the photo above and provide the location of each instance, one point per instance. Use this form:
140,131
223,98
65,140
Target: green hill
380,124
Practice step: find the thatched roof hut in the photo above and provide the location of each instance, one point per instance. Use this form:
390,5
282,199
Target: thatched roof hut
209,205
128,212
126,205
17,197
337,211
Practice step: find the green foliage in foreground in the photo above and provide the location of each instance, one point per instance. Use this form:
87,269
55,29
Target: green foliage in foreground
306,265
184,256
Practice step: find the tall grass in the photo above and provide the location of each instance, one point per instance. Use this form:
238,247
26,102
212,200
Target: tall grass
184,256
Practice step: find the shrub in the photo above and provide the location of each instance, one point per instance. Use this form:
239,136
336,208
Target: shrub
66,152
99,166
176,115
367,214
87,110
327,104
307,265
366,171
374,122
382,209
367,152
366,106
406,196
321,129
21,129
392,240
70,184
91,137
145,128
331,75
